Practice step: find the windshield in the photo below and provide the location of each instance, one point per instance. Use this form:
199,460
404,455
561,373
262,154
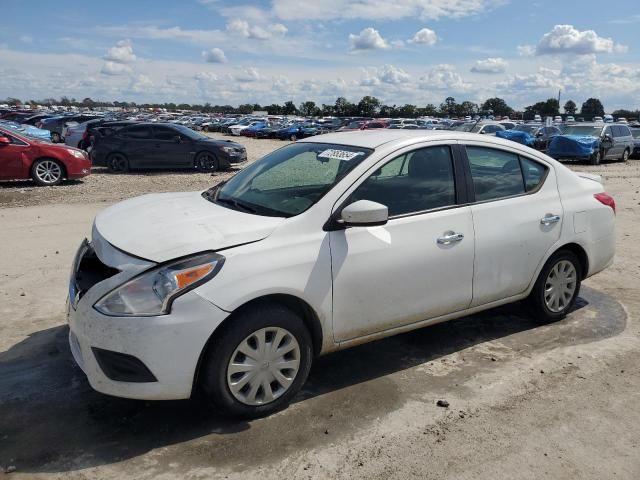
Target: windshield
465,127
290,180
530,129
592,130
187,132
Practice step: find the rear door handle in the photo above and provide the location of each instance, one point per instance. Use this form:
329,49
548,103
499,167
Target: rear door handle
549,219
450,237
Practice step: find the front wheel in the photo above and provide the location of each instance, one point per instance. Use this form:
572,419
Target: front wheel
557,286
293,137
117,163
47,172
258,363
207,162
596,157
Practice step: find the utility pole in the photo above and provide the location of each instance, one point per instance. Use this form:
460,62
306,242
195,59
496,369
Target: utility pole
559,100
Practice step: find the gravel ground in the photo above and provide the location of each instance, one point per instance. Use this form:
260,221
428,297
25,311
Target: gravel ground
101,186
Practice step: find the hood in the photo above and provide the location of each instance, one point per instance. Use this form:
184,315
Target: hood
573,145
161,227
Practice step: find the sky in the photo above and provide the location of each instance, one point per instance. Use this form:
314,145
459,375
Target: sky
266,51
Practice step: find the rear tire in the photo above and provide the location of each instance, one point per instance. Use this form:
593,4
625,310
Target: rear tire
247,387
117,163
557,286
293,137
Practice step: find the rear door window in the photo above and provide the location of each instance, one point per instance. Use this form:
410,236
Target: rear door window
496,173
138,132
164,133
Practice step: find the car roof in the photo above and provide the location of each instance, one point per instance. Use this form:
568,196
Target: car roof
378,137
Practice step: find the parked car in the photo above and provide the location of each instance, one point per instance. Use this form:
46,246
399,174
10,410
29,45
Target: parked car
483,127
28,130
46,164
56,124
254,127
636,143
593,142
531,134
235,291
164,145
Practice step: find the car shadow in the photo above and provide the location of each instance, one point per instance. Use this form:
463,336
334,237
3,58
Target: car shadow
161,171
20,184
52,421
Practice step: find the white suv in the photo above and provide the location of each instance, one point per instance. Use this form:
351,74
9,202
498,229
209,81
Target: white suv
321,245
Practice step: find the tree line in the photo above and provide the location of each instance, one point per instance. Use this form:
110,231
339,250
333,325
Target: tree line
368,106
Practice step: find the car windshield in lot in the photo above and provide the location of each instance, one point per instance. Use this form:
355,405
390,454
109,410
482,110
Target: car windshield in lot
530,129
290,180
592,130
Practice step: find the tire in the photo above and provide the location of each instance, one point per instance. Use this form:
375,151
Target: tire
47,172
625,155
596,157
118,163
55,137
555,277
293,137
276,323
206,162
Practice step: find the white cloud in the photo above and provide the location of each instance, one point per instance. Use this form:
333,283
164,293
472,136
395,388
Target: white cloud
425,36
214,55
388,74
170,33
250,74
26,39
443,77
380,10
113,68
122,52
526,50
241,27
368,39
490,65
141,83
567,39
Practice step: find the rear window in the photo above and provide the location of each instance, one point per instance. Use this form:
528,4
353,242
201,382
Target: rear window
137,132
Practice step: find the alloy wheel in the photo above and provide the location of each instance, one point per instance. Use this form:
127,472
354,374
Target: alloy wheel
263,366
118,163
560,286
48,172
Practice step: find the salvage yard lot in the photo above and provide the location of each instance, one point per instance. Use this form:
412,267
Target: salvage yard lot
526,400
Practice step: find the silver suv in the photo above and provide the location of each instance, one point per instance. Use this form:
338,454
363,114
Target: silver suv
616,141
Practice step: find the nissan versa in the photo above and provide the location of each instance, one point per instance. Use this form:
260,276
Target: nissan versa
324,244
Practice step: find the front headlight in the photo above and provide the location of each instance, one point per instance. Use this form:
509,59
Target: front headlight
231,150
152,292
75,153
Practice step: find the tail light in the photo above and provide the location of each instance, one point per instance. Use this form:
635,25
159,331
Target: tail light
606,199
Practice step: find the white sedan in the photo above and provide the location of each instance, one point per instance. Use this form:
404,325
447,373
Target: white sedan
324,244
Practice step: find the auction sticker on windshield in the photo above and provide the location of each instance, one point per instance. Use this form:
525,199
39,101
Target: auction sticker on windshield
339,154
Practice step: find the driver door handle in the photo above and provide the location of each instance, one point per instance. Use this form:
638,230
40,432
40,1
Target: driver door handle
549,219
450,237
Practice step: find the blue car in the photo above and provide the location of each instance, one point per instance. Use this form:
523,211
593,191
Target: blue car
292,132
592,142
29,131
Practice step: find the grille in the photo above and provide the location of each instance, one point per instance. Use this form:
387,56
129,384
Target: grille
90,271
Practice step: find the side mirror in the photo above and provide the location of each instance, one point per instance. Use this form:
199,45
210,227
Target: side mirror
4,141
365,213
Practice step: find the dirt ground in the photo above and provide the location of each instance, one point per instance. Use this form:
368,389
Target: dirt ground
527,401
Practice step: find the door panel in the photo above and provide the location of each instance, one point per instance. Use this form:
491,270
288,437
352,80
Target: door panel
11,161
398,274
510,240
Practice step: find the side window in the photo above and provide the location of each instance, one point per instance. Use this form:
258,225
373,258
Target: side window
624,131
413,182
164,133
534,173
608,131
137,132
495,173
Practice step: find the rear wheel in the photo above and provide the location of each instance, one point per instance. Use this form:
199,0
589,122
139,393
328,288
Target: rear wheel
557,286
117,163
625,155
258,363
55,137
596,157
47,172
293,137
207,162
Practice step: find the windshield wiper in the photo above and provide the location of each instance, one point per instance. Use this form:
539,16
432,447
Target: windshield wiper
236,204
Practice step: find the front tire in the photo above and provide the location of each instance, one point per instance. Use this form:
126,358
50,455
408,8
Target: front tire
207,162
47,172
596,157
557,286
625,155
258,362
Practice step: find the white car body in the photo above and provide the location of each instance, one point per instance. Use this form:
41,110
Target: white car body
236,129
359,283
74,132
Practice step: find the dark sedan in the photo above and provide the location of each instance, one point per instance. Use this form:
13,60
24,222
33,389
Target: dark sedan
163,146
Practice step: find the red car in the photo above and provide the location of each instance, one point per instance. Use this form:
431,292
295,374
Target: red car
45,163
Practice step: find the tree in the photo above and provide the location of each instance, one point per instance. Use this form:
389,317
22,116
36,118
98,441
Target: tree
388,111
448,107
570,108
309,109
550,107
429,110
466,108
87,102
343,107
245,108
498,106
12,102
593,107
290,108
408,110
327,110
368,106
